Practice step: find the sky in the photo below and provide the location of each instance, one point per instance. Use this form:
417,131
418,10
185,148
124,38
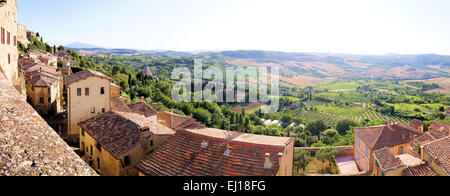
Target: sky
325,26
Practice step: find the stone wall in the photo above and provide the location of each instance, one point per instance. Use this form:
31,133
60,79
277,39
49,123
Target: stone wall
28,146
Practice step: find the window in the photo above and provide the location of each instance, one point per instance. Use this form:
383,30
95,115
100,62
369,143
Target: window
82,146
102,91
41,100
8,39
9,58
98,162
49,100
357,158
3,35
49,91
99,147
86,91
82,132
357,140
103,110
127,161
93,110
400,151
151,143
92,149
367,151
15,41
78,91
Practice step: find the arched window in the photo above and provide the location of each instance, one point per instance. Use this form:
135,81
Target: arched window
102,91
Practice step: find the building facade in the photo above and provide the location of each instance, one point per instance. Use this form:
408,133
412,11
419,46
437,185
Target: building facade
8,40
393,136
22,35
88,95
114,142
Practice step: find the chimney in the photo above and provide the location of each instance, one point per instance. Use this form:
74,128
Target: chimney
267,163
142,99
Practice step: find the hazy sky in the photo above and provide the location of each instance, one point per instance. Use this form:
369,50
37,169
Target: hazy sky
337,26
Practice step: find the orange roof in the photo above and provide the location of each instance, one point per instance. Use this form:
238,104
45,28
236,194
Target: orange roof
206,152
378,137
82,75
439,151
243,137
119,132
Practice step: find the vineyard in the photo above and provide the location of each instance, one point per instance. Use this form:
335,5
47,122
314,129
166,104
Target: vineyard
330,119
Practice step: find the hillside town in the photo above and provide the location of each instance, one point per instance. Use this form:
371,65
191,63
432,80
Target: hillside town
56,121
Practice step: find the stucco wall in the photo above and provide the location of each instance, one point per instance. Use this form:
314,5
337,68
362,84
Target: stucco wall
79,107
287,161
8,21
48,108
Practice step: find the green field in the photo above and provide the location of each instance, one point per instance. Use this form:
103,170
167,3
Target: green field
339,86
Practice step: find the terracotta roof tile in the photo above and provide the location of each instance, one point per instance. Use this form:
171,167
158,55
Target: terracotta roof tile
117,104
183,155
425,138
416,123
387,160
439,130
175,121
439,151
120,132
82,75
142,109
43,81
420,170
378,137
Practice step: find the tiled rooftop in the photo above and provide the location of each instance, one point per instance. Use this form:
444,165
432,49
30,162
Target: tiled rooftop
420,170
28,146
378,137
387,160
416,123
82,75
207,153
439,151
142,109
176,121
120,132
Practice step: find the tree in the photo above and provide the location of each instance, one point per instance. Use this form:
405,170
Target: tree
287,120
316,128
302,158
202,115
327,154
344,125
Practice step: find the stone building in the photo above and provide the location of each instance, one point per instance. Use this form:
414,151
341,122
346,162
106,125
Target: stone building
8,40
22,35
45,94
393,136
114,142
88,95
214,152
418,124
43,83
